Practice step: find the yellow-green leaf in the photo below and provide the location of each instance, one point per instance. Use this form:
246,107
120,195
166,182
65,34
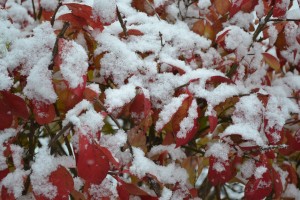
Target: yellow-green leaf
271,61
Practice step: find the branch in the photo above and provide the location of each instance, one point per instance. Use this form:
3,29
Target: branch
60,133
262,25
285,20
123,25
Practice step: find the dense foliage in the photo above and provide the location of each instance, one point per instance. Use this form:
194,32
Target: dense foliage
149,99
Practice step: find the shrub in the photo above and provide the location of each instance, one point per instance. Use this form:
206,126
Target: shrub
149,99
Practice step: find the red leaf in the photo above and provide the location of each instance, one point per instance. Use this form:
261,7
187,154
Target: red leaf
79,90
89,94
132,188
3,173
236,7
63,180
221,39
43,113
175,70
133,32
219,171
278,189
189,135
292,177
5,195
213,122
47,15
258,188
271,61
279,9
81,16
16,104
74,20
218,80
6,117
92,164
109,156
123,193
140,108
64,183
80,10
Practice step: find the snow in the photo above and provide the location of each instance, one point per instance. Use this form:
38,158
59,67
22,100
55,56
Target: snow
106,189
49,5
175,153
293,14
4,136
246,131
113,143
85,119
283,5
187,124
41,76
41,169
249,110
204,4
165,194
148,62
12,182
34,55
292,191
247,168
237,39
218,150
17,13
165,174
158,3
242,20
169,110
116,98
259,8
74,63
273,34
44,164
259,172
283,175
94,87
17,155
105,10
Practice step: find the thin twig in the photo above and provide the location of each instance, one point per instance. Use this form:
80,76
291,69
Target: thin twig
60,133
110,115
123,25
261,26
158,17
161,39
33,7
115,120
285,20
193,149
55,12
